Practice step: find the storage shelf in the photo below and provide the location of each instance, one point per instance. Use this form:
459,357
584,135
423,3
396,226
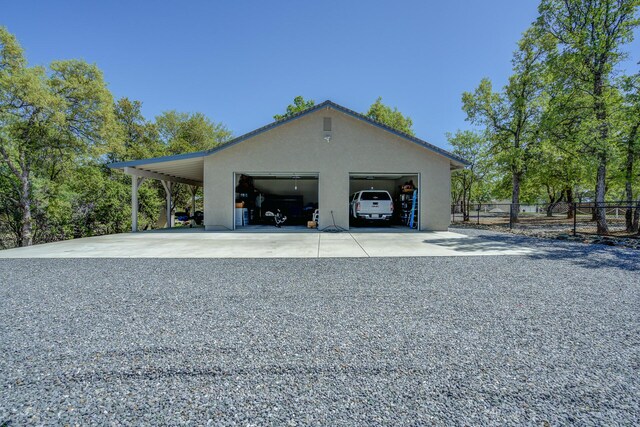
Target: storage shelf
405,204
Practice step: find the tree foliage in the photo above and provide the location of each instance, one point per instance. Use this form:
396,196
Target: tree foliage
390,117
59,127
137,138
185,133
590,35
47,116
511,117
299,104
466,184
565,127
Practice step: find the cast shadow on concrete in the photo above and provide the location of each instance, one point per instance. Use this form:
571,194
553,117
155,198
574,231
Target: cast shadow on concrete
581,254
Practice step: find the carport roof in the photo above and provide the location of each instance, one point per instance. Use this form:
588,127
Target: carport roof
190,165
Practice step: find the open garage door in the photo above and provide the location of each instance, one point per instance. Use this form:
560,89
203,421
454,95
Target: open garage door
286,201
367,206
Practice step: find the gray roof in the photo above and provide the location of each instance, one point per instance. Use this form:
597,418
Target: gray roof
333,105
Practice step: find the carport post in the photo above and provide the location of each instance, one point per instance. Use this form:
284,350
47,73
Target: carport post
135,184
193,189
167,189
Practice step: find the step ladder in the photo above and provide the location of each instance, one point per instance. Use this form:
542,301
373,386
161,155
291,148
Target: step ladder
413,223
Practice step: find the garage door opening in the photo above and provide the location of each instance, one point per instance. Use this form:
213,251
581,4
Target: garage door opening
276,201
368,205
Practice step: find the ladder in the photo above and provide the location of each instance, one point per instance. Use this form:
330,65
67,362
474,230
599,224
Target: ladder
412,217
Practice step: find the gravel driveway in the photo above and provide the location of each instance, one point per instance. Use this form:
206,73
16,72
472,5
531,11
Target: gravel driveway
446,341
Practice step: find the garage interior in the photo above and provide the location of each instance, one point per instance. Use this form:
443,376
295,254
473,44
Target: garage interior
265,199
404,192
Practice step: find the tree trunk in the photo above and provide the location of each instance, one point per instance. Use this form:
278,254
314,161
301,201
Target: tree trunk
465,207
25,207
21,171
628,177
600,208
628,215
553,201
569,193
550,207
515,196
636,218
601,149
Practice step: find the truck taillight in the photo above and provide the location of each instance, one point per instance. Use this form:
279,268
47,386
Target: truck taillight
358,206
391,206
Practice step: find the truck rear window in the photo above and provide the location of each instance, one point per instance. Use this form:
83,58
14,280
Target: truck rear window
375,195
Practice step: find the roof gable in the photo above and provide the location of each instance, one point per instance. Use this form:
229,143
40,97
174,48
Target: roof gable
424,144
348,112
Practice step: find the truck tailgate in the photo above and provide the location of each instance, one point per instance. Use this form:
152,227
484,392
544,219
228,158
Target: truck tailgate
375,206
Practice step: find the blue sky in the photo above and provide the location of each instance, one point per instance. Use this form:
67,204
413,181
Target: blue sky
240,62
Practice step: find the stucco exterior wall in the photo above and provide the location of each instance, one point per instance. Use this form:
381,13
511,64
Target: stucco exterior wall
355,147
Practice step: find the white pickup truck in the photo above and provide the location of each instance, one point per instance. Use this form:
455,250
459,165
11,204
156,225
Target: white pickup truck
373,205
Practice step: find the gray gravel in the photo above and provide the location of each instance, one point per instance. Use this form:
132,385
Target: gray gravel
446,341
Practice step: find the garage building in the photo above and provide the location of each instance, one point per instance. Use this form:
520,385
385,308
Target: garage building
309,164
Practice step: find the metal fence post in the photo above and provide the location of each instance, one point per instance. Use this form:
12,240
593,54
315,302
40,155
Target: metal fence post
575,215
479,207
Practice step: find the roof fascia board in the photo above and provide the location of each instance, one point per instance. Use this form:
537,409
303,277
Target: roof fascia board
132,163
268,127
415,140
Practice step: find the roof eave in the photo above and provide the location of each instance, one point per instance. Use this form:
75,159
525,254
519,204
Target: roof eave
134,163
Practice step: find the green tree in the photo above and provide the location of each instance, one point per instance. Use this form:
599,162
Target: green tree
470,146
511,117
299,104
551,175
631,146
46,117
185,132
10,216
590,34
559,166
137,138
390,116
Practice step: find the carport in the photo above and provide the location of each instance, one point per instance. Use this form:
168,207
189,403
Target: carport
184,169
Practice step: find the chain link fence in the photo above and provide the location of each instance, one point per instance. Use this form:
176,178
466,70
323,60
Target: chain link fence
561,217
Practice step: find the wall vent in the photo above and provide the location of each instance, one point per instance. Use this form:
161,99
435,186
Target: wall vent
326,124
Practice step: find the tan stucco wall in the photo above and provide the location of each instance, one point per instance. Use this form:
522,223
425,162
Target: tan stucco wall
355,147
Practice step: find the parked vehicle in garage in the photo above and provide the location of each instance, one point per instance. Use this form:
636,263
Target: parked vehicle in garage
371,205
